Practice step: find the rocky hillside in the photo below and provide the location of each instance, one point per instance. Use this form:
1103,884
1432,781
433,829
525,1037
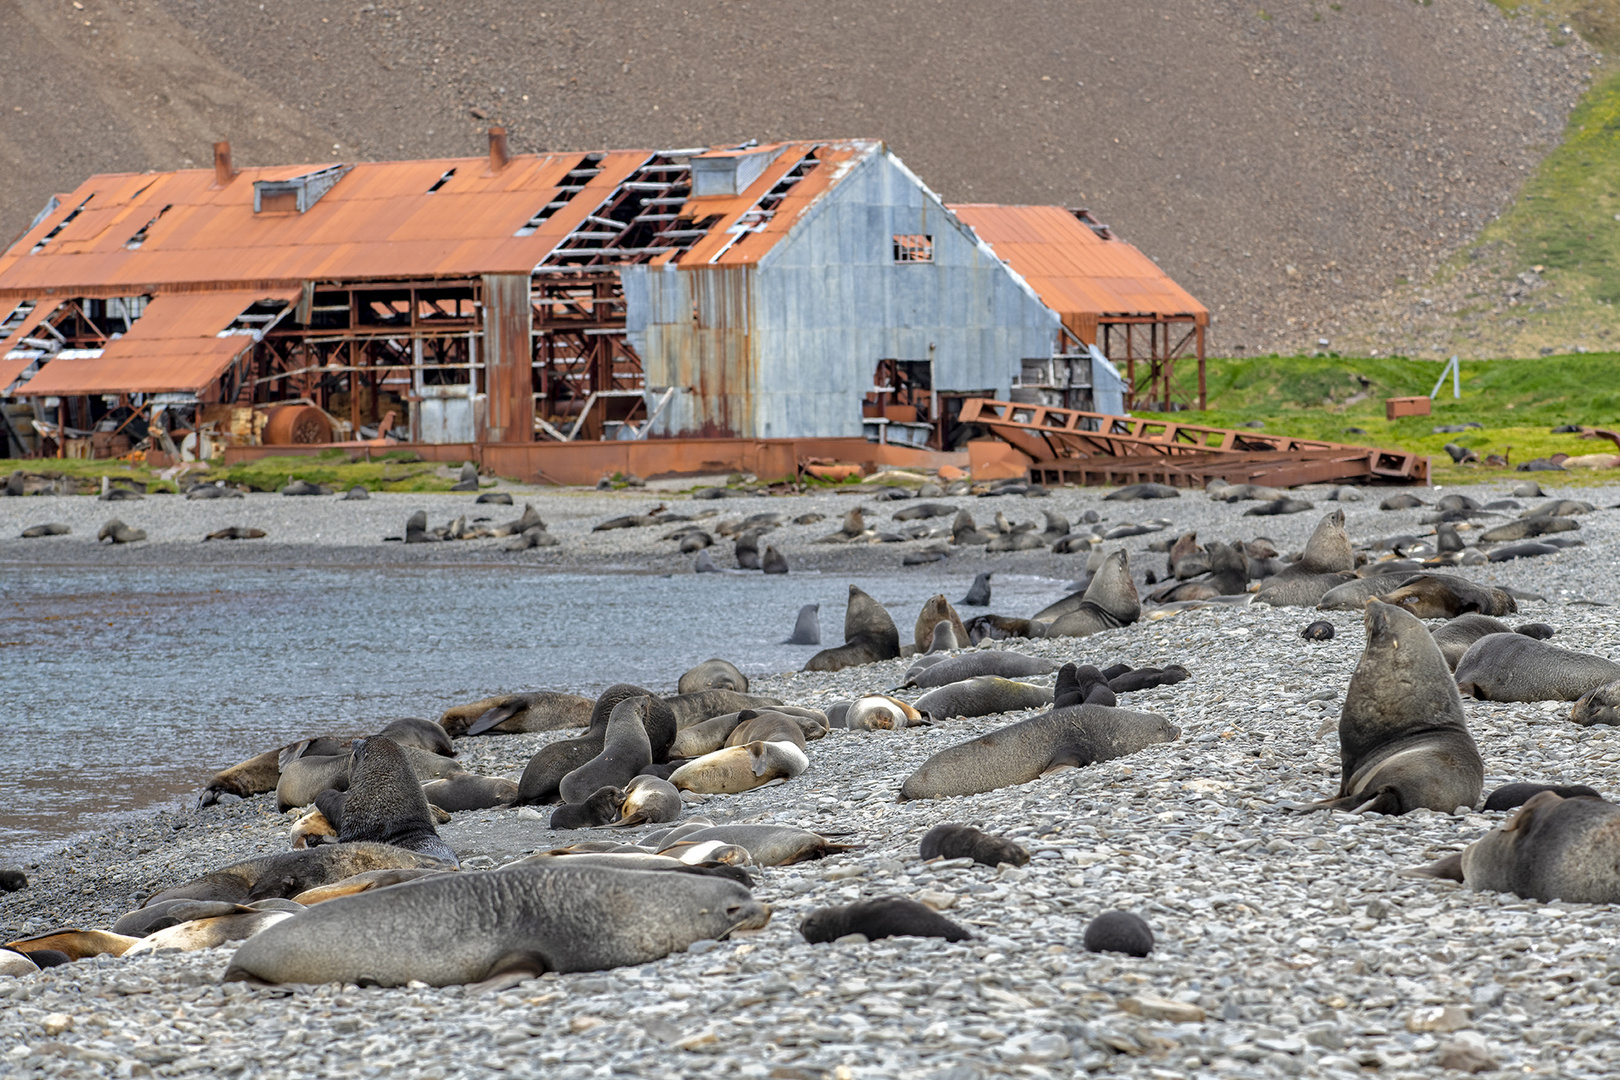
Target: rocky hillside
1287,164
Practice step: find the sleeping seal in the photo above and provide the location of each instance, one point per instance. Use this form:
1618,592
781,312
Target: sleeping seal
1445,596
546,768
767,845
288,873
469,791
869,636
740,768
1515,667
1403,739
1328,561
515,714
1552,848
384,803
1599,705
1110,600
647,798
1007,665
715,674
1455,637
966,842
880,917
1082,684
879,712
548,915
1021,752
983,696
1511,796
600,807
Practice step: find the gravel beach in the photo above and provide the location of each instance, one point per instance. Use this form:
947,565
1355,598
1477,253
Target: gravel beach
1288,944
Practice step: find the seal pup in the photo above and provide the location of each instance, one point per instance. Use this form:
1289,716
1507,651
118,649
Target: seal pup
51,528
978,594
469,791
1403,738
1109,601
545,770
1320,630
966,842
236,532
869,636
935,612
1509,796
116,532
945,640
384,803
526,919
1016,754
1081,685
1119,931
1006,665
737,769
715,674
879,712
1516,667
1551,848
807,627
288,873
1133,679
626,752
514,714
1000,627
647,798
879,917
601,807
982,696
1599,705
13,880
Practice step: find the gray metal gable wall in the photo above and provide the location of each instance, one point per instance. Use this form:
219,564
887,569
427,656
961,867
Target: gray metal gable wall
824,306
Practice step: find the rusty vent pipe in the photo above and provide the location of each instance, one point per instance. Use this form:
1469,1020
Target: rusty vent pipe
498,156
222,164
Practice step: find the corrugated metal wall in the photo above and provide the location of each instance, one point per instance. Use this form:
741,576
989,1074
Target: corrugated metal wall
788,348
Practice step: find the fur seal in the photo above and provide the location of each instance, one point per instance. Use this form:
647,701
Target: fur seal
414,733
236,532
1227,575
470,791
767,845
526,919
740,768
74,943
1081,685
13,880
715,674
647,798
869,636
998,627
978,594
1403,738
767,727
1006,665
303,778
1328,560
311,829
945,639
1133,679
288,873
34,532
14,964
1274,507
1456,635
1552,848
807,627
879,712
209,932
1514,667
1110,600
384,803
1599,705
1119,931
1143,491
880,917
1444,596
600,807
513,714
773,561
116,532
363,882
1528,529
986,695
1076,736
1509,796
546,768
966,842
695,708
262,772
935,612
1320,630
626,751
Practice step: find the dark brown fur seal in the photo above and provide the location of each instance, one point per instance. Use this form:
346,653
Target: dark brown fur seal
288,873
384,803
1510,796
880,917
515,714
601,807
966,842
469,791
1119,931
1445,596
869,636
1455,636
1403,739
1081,685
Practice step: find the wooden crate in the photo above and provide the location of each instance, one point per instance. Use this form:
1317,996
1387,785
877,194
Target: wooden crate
1405,406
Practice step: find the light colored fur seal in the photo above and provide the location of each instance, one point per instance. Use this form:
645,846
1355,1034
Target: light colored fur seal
524,920
879,712
935,612
1513,667
1403,739
1006,665
740,768
1552,848
515,714
869,636
1024,751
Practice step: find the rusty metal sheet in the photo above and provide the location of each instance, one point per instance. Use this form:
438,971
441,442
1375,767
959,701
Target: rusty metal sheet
1076,272
11,371
173,346
43,309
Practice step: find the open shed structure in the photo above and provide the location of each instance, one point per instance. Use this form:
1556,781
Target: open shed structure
507,305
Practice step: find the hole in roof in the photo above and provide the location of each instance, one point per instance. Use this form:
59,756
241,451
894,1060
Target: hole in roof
441,181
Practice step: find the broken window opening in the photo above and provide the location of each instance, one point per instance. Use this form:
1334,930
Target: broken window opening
583,172
48,237
913,248
441,181
140,236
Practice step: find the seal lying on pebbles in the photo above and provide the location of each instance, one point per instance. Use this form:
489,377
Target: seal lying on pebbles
236,532
966,842
767,845
209,932
143,922
880,917
1403,739
1021,752
1081,685
807,627
384,803
1328,561
869,636
514,714
1119,931
1600,705
34,532
626,752
1110,600
288,873
1006,665
647,798
116,532
74,943
740,768
935,612
983,696
878,712
262,772
306,777
523,920
1444,596
1143,491
600,807
1509,796
363,882
1514,667
767,727
1552,848
1132,679
547,768
470,791
1455,636
1320,630
695,708
715,674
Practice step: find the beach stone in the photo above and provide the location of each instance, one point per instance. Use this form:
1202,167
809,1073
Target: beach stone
1437,1018
1153,1007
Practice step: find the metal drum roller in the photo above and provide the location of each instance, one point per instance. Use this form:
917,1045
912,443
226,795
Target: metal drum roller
289,425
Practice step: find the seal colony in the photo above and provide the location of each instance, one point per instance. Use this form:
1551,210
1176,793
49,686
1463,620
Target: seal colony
713,854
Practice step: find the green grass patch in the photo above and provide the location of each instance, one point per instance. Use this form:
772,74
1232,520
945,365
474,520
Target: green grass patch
1518,402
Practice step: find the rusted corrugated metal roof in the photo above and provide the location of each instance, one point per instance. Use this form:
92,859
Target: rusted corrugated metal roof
381,221
173,347
11,371
1077,273
43,309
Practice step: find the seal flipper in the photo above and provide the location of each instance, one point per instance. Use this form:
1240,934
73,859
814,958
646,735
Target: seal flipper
1449,868
496,716
758,759
1386,800
508,971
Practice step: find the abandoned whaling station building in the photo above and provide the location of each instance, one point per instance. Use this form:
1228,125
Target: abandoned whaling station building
564,314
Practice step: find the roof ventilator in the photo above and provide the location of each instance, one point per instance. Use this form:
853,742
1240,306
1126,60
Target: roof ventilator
297,194
583,172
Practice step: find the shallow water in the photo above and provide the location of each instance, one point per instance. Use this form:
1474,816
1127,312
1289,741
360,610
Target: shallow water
126,689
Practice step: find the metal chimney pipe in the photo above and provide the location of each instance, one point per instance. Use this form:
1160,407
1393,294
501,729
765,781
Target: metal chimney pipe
223,173
498,155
